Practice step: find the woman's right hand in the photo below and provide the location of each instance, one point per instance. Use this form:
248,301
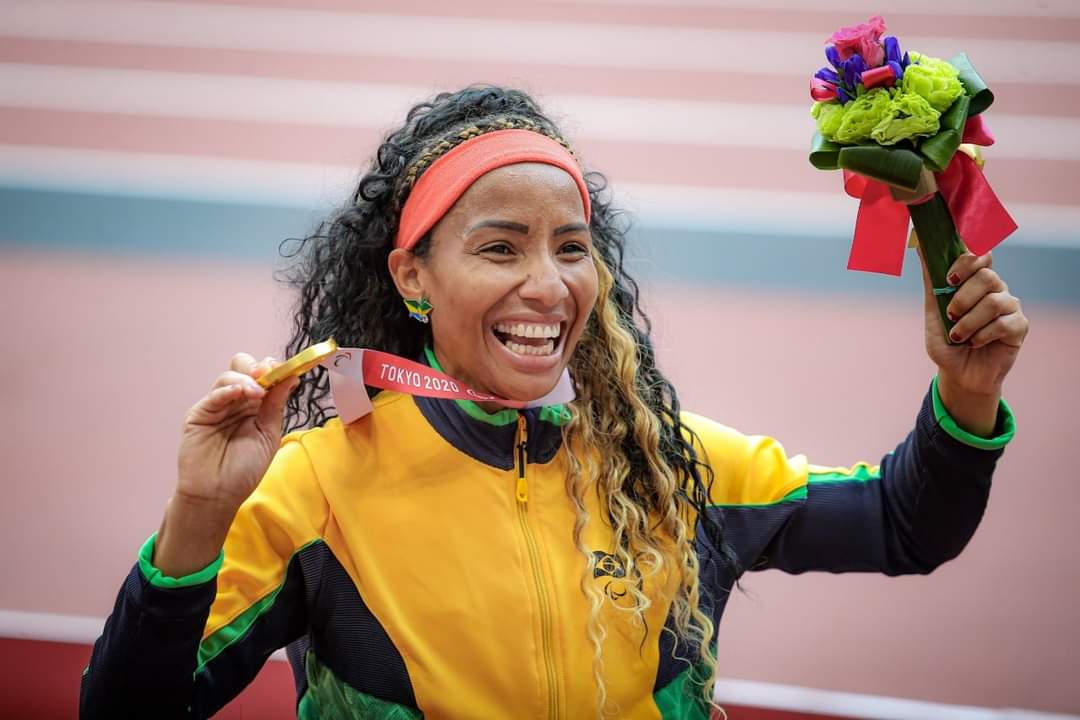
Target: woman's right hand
229,438
230,435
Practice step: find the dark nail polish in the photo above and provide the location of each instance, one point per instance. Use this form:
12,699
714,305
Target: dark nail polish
954,336
954,279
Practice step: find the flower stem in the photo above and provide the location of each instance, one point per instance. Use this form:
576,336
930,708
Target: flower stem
941,247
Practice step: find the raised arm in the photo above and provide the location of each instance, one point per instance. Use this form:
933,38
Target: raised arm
921,504
218,588
914,511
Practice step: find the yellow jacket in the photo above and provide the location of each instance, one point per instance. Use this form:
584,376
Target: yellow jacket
420,563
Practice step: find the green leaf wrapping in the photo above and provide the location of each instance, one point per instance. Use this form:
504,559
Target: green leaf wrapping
941,246
824,153
939,150
974,87
896,166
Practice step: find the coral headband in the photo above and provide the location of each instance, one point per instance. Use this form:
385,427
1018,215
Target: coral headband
451,175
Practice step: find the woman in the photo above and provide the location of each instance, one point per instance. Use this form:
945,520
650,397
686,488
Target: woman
439,558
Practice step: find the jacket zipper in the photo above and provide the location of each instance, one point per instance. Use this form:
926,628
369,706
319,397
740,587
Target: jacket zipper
522,494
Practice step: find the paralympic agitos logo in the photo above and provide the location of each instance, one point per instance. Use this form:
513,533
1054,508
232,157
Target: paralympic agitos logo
611,575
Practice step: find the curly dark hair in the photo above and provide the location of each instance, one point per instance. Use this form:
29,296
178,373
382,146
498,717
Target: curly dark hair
346,290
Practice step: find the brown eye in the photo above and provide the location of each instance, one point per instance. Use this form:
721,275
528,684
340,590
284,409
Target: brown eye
497,249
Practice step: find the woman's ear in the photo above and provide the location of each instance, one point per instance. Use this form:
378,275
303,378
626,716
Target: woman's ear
405,270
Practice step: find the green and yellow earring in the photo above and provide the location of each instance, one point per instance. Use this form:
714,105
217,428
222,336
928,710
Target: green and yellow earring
418,309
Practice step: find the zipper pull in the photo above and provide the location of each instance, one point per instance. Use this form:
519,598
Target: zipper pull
522,458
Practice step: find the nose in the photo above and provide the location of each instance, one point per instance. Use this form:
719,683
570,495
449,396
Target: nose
544,282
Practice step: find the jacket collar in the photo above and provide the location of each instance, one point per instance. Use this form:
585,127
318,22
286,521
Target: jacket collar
491,437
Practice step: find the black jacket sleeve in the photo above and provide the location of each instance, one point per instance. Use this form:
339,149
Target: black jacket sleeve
184,647
910,514
151,661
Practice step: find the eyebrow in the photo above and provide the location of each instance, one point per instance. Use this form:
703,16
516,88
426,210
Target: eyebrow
501,224
523,228
570,227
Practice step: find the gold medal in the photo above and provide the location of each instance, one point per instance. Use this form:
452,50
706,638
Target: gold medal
299,363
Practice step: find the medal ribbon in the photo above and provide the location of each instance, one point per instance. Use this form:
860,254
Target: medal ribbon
353,368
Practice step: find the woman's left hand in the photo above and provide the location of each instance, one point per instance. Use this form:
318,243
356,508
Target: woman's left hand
990,328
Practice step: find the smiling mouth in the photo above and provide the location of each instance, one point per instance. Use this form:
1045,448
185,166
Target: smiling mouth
529,338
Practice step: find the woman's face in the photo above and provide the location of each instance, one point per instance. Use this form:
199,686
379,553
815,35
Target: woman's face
511,279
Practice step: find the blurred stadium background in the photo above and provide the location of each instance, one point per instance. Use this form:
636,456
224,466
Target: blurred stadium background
153,155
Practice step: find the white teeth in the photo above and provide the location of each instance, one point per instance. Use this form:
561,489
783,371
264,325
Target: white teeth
545,349
530,330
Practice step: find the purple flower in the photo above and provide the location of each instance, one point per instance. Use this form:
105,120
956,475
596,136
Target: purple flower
853,69
828,75
842,95
893,57
833,56
892,49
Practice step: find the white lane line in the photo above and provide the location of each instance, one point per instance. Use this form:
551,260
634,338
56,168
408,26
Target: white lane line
231,97
856,705
178,177
321,187
337,104
48,627
496,41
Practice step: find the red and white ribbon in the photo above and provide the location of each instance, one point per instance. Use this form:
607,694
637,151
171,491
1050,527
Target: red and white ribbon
353,368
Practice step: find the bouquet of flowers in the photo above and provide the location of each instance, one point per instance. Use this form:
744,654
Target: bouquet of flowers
905,128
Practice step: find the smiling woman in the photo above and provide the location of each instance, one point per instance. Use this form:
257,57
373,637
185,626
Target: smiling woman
437,558
518,239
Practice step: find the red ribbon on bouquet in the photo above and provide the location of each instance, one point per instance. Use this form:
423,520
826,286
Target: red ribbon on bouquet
882,224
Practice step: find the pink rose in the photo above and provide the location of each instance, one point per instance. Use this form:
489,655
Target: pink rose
864,39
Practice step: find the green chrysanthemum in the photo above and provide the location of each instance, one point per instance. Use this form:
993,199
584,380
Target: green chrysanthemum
909,116
862,115
828,116
935,80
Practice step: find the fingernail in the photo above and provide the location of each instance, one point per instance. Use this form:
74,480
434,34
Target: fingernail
951,314
954,279
954,336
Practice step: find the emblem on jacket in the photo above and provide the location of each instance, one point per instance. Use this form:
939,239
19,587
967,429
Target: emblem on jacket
611,574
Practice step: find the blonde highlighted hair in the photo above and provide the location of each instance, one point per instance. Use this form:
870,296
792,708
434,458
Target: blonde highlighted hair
644,498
